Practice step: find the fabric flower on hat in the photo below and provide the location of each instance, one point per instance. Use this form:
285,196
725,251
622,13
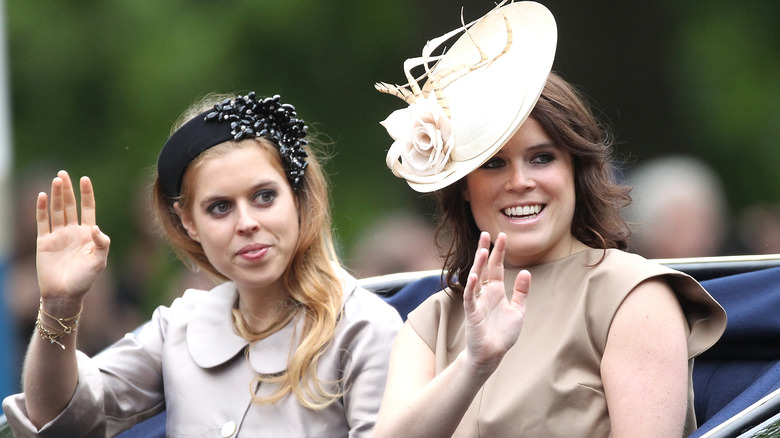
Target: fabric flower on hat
423,137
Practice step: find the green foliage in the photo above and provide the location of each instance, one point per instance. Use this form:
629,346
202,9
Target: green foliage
96,87
770,430
5,431
727,60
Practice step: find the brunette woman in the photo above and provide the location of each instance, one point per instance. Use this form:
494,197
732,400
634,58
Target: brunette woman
547,327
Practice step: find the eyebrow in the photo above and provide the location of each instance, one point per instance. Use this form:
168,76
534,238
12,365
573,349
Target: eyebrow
544,145
535,147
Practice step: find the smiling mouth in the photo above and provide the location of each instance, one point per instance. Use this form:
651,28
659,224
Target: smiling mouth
524,212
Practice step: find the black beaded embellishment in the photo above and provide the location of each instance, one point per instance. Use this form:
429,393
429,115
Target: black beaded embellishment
269,118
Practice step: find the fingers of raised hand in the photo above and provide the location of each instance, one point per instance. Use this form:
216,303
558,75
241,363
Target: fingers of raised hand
473,286
523,281
481,256
495,264
42,214
68,198
100,240
57,208
521,288
64,210
87,201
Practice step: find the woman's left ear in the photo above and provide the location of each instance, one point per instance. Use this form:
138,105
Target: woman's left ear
464,193
186,222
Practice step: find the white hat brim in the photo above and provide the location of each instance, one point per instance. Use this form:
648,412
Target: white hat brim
488,105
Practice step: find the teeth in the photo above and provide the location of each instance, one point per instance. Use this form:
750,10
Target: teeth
525,210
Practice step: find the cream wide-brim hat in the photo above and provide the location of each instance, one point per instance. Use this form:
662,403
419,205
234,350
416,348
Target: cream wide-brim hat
485,96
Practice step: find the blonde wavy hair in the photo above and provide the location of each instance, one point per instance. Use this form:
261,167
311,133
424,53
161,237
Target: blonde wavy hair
315,290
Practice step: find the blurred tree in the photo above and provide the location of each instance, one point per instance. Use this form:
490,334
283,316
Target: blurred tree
726,66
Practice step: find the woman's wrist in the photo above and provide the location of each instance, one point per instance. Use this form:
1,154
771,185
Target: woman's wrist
62,307
481,372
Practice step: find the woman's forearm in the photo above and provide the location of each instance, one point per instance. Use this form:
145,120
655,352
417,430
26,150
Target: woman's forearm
50,371
437,409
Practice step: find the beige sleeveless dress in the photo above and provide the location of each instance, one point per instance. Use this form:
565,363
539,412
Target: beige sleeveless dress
549,383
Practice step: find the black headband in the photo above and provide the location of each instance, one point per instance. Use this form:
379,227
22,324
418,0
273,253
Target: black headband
235,119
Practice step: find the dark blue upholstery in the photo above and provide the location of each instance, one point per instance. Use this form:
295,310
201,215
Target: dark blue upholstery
752,302
755,390
413,294
718,382
151,428
744,365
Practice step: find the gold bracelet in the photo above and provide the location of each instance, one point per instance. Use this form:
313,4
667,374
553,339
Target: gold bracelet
53,336
48,335
61,321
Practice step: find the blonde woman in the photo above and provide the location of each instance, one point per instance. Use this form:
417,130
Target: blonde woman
285,345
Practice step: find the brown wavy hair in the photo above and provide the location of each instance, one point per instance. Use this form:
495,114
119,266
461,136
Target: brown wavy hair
314,287
565,115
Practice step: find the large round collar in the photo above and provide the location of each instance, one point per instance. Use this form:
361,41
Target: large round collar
212,341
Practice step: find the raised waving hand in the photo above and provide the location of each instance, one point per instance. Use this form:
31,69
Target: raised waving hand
70,254
70,257
492,326
493,321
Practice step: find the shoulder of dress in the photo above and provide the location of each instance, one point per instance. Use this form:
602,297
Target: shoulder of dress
364,305
630,263
444,305
196,300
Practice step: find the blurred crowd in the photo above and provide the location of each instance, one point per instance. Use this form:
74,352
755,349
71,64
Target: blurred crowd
680,209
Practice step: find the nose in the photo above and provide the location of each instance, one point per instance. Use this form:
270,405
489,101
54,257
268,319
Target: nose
519,178
246,221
